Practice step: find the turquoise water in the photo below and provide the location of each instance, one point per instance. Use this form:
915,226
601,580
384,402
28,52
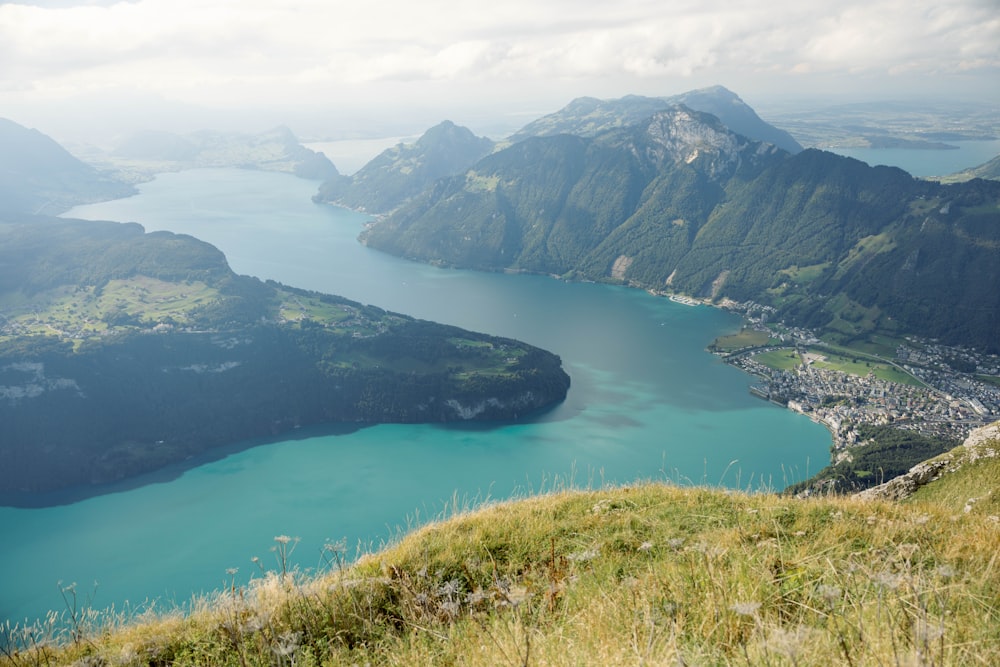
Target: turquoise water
922,163
646,403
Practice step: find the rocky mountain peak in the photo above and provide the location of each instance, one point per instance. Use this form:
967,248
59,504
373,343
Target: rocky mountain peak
683,136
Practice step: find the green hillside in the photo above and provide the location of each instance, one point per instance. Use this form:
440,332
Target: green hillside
647,574
989,170
679,203
151,350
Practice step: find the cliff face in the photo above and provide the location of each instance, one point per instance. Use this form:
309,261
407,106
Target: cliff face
983,444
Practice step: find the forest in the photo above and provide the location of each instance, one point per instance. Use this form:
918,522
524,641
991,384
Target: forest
172,354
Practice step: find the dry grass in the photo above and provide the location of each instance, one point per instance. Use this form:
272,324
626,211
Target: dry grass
651,574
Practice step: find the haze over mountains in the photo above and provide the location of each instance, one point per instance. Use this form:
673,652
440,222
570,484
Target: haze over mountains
151,350
37,175
658,193
660,196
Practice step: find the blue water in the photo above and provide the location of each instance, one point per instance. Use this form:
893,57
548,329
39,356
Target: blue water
647,402
921,163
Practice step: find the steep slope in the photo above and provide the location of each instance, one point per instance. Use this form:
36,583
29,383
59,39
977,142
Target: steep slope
965,479
989,170
150,350
545,204
649,574
679,202
405,170
588,116
37,175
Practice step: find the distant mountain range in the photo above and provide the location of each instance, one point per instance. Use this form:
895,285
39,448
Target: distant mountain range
588,116
277,149
37,175
122,352
678,202
406,170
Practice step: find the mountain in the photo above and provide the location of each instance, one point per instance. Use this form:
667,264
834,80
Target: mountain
588,116
405,170
150,350
37,175
989,170
277,149
679,202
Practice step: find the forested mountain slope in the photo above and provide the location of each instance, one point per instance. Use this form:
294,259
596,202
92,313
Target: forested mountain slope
122,352
405,170
679,202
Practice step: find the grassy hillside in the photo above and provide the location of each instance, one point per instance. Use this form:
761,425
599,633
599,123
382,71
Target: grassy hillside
650,574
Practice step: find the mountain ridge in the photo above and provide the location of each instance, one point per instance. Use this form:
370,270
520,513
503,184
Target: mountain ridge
403,171
589,116
37,175
612,208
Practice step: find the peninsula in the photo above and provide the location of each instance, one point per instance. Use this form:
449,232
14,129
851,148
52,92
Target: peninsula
151,350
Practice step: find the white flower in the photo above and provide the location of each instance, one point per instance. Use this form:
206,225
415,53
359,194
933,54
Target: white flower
746,608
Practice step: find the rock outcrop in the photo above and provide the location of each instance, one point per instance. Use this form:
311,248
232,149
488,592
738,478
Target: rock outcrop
982,443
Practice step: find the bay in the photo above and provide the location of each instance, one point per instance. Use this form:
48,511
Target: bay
924,163
646,402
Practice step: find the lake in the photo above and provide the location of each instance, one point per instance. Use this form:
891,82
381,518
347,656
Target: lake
647,403
922,163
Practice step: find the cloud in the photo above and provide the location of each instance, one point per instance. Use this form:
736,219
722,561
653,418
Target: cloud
209,50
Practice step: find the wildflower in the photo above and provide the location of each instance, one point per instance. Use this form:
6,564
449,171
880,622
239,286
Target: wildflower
928,632
257,622
516,595
231,571
946,571
282,539
886,580
645,547
585,555
829,593
746,608
450,588
789,642
675,542
475,597
450,608
287,644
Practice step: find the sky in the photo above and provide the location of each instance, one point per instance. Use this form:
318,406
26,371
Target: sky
336,68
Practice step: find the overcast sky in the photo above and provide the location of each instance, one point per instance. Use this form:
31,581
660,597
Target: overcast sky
371,59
